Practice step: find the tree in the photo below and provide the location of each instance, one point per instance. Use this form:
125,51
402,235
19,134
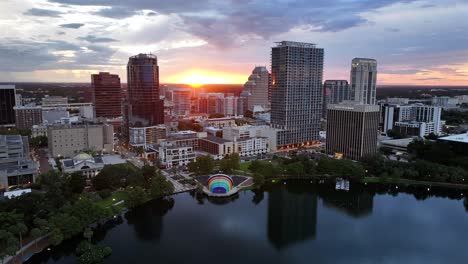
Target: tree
204,165
56,237
77,182
139,150
394,133
258,179
230,163
160,186
8,244
35,234
148,172
88,234
136,196
39,142
91,254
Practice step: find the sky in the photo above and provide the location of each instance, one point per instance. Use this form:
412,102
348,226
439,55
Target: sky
221,41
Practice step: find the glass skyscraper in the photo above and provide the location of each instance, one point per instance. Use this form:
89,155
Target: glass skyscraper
364,80
296,101
7,102
143,108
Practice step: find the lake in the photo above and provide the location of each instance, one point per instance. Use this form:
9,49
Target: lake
296,222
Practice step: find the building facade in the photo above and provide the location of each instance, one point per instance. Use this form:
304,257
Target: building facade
7,103
296,101
182,99
364,80
16,168
416,119
335,92
171,155
28,116
144,108
258,88
68,140
107,95
143,136
352,130
54,101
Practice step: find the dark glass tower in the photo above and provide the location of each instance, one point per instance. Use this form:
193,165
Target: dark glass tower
107,95
145,109
7,102
296,101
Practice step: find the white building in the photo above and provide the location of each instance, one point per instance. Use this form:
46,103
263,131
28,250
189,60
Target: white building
88,165
445,101
244,132
425,117
252,146
171,155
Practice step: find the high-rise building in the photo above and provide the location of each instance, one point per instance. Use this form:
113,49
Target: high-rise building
364,80
231,106
28,116
258,88
296,101
334,92
211,103
7,103
54,101
144,108
107,95
181,98
352,130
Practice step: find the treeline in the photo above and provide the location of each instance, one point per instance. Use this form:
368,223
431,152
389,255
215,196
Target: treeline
59,209
205,165
454,117
301,165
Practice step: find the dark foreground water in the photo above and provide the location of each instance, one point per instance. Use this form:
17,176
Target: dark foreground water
293,223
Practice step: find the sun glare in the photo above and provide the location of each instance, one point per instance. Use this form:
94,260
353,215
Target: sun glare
199,78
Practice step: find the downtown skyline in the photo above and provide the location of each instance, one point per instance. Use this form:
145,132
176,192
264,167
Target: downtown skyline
414,42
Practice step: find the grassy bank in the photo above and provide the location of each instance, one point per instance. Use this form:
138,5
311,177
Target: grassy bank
412,182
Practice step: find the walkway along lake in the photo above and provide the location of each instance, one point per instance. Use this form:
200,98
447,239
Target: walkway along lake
292,222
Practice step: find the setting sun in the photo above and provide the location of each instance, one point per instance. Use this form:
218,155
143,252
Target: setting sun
198,78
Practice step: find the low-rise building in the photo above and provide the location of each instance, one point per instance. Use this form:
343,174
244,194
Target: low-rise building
68,140
16,168
171,155
88,165
247,147
144,136
249,131
217,147
220,122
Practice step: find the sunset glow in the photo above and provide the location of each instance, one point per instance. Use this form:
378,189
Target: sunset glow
198,77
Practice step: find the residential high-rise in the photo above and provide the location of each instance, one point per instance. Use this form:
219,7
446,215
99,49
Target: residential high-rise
28,116
7,102
107,95
363,80
258,88
296,101
144,108
334,92
182,99
352,130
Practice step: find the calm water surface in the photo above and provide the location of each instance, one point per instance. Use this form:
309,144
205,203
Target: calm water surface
293,223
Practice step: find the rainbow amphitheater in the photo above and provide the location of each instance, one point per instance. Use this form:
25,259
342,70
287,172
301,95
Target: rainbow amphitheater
220,184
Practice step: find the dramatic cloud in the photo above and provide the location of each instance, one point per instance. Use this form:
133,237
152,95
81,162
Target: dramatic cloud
414,41
94,39
72,25
43,12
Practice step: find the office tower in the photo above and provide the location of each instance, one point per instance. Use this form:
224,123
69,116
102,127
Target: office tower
7,102
231,106
211,103
107,95
334,92
352,130
143,108
258,88
296,101
363,80
28,116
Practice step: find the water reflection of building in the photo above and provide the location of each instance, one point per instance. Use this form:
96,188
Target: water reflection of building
292,216
148,220
356,203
